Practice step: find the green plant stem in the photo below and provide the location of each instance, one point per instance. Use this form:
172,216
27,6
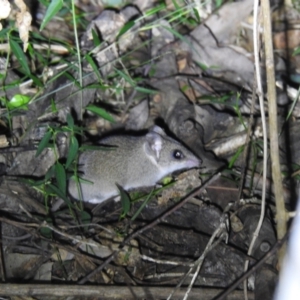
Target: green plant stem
78,55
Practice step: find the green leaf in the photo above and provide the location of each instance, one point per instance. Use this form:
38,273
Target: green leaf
97,86
32,182
296,51
235,157
76,129
145,90
100,112
166,180
43,143
36,80
154,10
51,188
96,39
125,201
219,3
143,205
70,121
53,106
179,14
4,32
18,52
177,7
81,180
72,78
197,15
190,21
61,178
126,77
152,71
73,150
50,173
91,61
54,7
125,28
46,231
18,101
85,217
295,101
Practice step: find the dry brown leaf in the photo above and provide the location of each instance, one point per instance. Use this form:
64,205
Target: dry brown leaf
190,93
23,20
181,64
4,10
287,39
3,141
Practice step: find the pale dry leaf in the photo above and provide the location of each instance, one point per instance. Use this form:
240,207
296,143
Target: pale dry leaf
3,141
23,21
5,9
289,39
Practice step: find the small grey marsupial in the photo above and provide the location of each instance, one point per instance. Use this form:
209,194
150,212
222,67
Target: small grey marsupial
137,161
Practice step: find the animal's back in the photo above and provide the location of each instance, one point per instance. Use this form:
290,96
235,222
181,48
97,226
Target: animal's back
103,170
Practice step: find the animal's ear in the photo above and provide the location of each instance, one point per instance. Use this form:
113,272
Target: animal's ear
157,129
153,144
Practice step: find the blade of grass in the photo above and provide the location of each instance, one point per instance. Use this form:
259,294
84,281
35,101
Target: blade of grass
96,38
73,151
70,121
152,11
91,61
55,190
125,201
54,7
145,90
126,77
61,178
125,28
18,52
100,112
143,205
78,51
43,143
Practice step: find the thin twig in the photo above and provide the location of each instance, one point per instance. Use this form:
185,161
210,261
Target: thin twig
264,127
281,216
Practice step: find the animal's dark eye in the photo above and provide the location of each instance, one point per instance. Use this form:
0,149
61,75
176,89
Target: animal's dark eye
177,154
